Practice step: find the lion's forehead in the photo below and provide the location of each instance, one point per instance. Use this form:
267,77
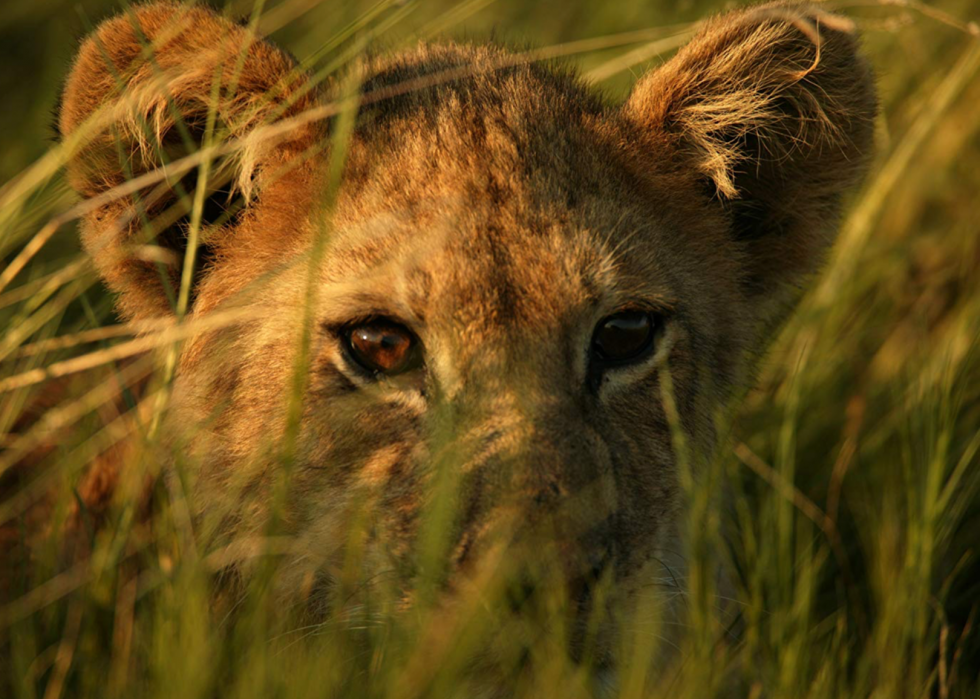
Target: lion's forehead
477,265
476,287
490,211
520,241
520,140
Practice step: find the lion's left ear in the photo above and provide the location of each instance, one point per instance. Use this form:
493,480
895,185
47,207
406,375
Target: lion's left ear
774,108
142,92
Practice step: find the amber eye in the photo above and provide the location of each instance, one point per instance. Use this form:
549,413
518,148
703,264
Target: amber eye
382,347
624,337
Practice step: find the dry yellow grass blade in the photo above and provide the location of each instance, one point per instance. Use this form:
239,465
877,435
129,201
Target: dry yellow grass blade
640,54
47,284
43,595
90,569
24,327
173,333
58,418
454,17
786,490
929,11
114,432
85,337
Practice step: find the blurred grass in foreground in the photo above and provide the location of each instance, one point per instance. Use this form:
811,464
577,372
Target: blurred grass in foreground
853,465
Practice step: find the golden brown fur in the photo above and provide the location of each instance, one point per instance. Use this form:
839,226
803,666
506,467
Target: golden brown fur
499,209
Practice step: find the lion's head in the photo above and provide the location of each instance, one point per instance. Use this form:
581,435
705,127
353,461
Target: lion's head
459,275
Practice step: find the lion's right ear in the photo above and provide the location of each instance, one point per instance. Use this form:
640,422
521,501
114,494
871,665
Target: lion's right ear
140,95
772,108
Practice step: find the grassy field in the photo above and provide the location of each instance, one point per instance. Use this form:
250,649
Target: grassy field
853,465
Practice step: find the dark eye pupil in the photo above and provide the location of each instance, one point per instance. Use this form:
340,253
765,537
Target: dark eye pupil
382,347
623,336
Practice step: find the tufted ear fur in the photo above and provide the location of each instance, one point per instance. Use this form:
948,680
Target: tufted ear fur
773,108
139,97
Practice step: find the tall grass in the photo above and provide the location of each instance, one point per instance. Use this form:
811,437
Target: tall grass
851,469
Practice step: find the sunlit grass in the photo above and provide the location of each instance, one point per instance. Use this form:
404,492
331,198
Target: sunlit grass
843,504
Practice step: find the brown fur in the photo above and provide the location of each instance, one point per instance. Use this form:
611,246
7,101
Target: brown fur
499,209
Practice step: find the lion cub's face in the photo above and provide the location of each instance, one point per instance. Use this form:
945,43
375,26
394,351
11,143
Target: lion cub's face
502,302
507,293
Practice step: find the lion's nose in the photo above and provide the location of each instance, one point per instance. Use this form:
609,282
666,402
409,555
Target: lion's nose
580,587
583,599
528,593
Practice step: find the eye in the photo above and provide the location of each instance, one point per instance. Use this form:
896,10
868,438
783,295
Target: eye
624,337
382,346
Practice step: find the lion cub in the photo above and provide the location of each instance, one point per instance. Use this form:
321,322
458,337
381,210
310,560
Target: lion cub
483,278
